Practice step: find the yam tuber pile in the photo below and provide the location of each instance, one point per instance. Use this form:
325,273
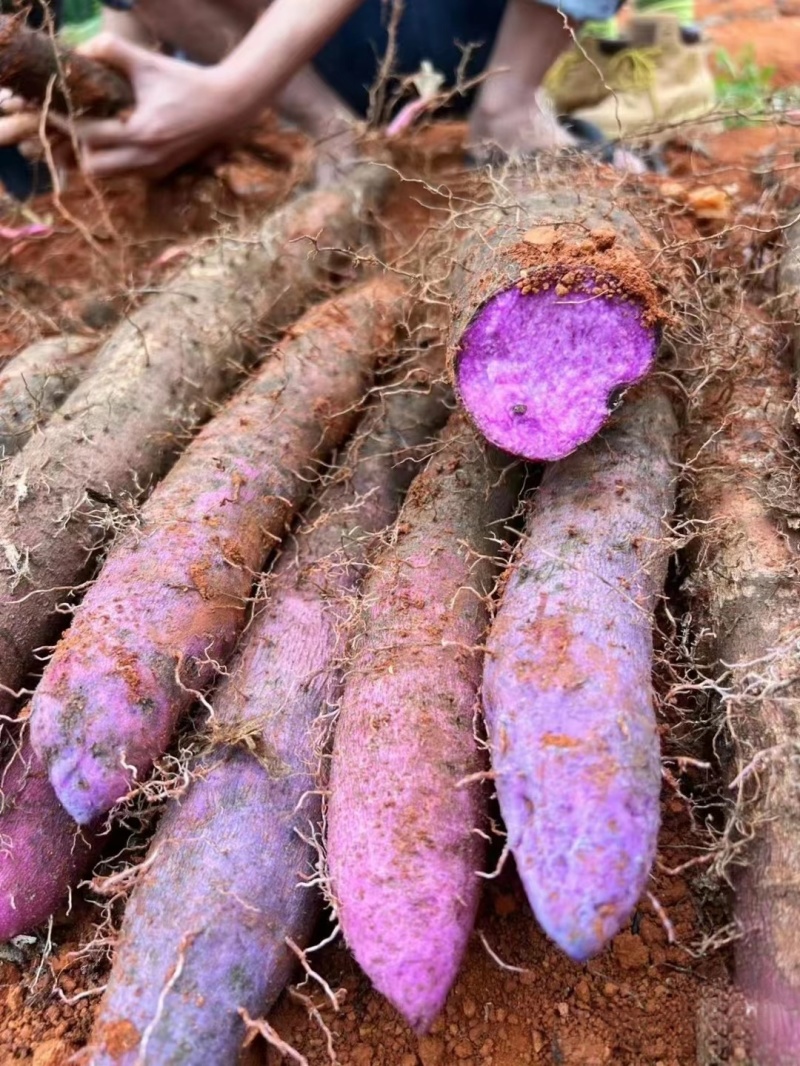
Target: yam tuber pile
328,586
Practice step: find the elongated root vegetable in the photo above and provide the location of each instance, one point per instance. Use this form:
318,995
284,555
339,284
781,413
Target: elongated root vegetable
567,680
789,288
220,892
162,371
555,314
36,382
34,66
42,852
744,588
171,600
403,843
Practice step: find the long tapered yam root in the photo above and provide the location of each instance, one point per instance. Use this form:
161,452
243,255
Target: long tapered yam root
43,852
35,66
404,805
172,597
743,592
36,382
163,371
555,315
228,913
567,683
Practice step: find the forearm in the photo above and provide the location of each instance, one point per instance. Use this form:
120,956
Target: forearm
281,42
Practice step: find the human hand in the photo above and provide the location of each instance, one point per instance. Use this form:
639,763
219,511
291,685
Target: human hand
181,110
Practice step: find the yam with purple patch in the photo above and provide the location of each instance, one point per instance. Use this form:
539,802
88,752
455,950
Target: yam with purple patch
171,600
43,853
222,887
555,315
743,595
567,688
405,809
162,372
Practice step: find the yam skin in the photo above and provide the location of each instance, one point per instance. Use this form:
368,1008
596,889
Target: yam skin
171,600
42,852
743,590
39,69
555,314
567,688
36,382
163,371
223,880
404,850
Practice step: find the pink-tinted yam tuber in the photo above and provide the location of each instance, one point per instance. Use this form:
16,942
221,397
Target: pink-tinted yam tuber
567,680
171,600
404,849
42,852
222,887
162,372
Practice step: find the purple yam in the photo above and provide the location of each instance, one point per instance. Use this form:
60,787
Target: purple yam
222,886
404,849
567,681
43,854
171,601
164,370
539,372
555,313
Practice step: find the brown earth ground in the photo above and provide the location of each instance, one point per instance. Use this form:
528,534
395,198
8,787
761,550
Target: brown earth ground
644,1000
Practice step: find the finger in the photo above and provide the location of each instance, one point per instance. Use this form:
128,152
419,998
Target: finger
110,161
103,133
10,103
16,128
117,52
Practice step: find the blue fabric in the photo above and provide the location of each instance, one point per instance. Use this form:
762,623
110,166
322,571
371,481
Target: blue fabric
428,29
435,30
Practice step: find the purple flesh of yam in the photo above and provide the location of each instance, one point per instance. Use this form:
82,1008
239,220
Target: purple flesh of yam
222,889
567,680
539,372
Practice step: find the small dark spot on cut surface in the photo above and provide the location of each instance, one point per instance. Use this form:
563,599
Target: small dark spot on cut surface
519,409
615,397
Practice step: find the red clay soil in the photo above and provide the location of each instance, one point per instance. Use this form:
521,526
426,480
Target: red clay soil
107,246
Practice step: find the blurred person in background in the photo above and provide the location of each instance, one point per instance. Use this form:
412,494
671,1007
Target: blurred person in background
314,63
